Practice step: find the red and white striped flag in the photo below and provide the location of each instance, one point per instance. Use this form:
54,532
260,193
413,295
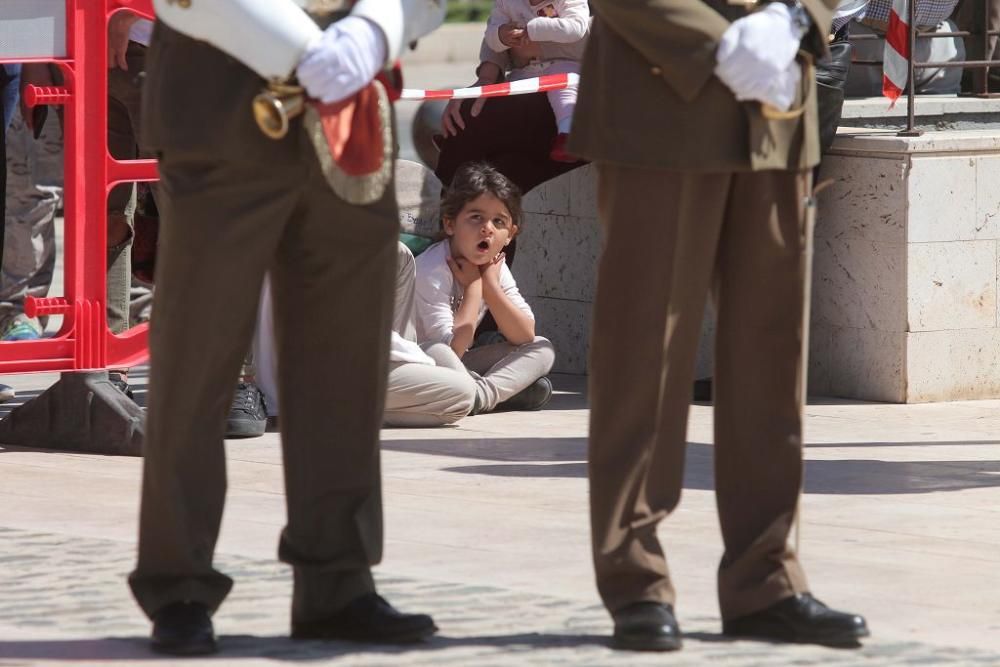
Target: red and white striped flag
897,51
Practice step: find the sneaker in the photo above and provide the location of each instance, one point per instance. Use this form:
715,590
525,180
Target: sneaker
248,414
534,397
22,327
6,393
120,380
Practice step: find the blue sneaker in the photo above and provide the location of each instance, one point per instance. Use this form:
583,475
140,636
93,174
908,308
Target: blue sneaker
22,327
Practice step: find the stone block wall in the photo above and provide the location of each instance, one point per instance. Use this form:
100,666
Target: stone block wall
905,305
556,263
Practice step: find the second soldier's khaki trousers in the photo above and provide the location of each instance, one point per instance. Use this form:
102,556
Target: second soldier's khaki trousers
669,238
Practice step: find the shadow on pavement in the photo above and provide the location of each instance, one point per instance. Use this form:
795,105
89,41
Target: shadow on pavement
235,647
496,449
565,457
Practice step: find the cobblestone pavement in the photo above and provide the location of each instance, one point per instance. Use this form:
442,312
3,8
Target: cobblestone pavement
64,599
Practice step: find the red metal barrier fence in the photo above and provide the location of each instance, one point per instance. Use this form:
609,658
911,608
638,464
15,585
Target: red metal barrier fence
84,342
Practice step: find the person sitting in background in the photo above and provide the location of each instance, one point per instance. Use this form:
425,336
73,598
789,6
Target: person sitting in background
968,17
514,134
420,392
932,16
9,78
463,276
563,25
128,40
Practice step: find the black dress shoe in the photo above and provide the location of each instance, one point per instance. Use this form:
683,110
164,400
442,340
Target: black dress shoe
183,628
368,618
801,618
646,626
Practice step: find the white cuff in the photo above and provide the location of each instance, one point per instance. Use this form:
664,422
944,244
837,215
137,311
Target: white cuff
268,36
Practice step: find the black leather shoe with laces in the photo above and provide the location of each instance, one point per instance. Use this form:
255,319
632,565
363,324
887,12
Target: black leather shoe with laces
646,626
183,628
803,619
368,618
248,414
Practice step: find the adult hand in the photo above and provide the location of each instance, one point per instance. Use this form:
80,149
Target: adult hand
32,74
491,271
343,60
512,34
118,32
451,120
465,272
757,50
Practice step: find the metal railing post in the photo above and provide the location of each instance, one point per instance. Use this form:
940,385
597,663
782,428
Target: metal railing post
911,80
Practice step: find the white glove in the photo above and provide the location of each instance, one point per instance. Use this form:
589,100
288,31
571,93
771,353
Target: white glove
756,56
343,60
781,93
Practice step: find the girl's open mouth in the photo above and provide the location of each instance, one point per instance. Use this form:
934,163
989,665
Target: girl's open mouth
483,245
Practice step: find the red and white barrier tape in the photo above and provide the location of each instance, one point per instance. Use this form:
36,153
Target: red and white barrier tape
538,84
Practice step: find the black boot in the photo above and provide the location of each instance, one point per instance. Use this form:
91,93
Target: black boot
183,628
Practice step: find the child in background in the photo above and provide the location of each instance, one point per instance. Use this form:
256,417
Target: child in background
420,391
463,276
558,30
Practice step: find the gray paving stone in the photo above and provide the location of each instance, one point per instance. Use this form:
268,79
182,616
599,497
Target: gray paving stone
79,609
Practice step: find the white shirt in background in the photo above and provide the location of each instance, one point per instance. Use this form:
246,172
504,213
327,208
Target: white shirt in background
439,295
141,32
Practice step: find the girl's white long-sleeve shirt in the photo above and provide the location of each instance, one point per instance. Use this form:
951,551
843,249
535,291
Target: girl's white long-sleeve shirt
438,295
556,21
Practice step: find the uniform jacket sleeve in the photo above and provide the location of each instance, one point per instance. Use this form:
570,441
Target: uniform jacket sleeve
680,37
571,26
269,37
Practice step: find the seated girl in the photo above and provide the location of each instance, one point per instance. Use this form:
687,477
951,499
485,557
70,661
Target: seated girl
462,277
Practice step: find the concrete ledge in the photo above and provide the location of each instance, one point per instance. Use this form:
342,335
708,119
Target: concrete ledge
932,112
865,141
927,105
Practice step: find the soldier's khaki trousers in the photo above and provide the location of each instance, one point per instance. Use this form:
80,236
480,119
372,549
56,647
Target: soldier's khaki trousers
225,223
669,238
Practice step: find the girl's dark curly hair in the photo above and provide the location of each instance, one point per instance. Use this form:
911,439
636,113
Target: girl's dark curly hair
478,178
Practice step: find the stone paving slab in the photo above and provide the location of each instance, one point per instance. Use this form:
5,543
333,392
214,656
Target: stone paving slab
486,528
64,600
